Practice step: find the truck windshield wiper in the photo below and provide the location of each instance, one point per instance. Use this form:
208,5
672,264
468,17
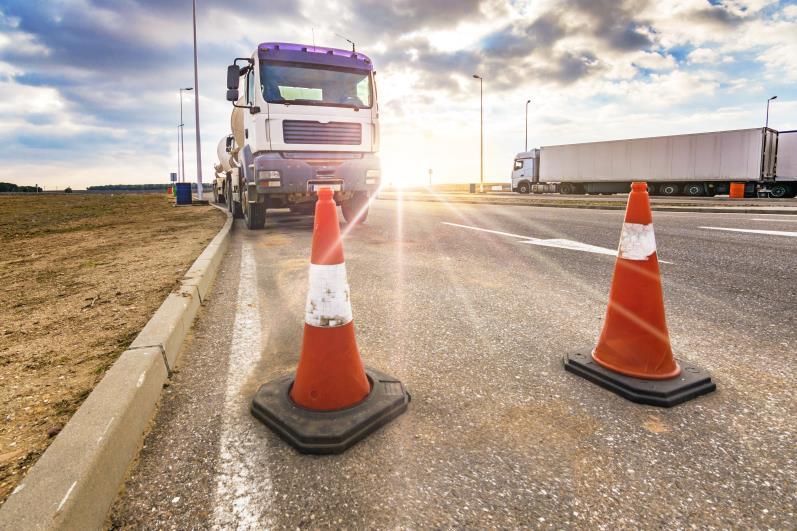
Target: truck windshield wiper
300,101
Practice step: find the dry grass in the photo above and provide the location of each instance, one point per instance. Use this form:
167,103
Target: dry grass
80,275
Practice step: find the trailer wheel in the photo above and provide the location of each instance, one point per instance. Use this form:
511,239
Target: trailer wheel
254,214
694,190
523,187
779,191
565,189
355,210
668,189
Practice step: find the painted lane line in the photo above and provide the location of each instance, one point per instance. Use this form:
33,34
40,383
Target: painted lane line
776,220
243,484
66,497
558,243
756,231
571,245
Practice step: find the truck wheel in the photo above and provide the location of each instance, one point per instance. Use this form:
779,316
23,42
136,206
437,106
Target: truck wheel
565,189
694,190
233,207
254,214
355,210
779,191
668,189
220,196
523,187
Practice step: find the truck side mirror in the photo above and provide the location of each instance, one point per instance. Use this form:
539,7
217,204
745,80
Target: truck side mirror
232,95
233,75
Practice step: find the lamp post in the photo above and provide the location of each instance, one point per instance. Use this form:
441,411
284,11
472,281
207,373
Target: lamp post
481,131
766,123
181,139
178,152
527,125
196,112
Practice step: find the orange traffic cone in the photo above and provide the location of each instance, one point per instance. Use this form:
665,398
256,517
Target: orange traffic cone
333,401
634,346
330,373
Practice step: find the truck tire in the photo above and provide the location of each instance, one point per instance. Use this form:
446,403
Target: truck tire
779,191
523,187
254,214
566,189
233,207
694,189
668,189
354,206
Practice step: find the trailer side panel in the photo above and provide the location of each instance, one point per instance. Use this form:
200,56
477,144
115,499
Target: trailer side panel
720,156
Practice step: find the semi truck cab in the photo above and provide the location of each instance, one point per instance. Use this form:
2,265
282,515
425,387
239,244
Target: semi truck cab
305,117
525,171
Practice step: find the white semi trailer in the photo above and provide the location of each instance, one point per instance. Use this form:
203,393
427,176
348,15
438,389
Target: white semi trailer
306,118
693,164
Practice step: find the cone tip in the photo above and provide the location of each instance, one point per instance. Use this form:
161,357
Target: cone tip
639,187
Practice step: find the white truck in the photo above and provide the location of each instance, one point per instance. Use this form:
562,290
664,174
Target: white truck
699,164
307,118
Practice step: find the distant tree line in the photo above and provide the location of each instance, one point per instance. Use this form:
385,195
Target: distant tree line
129,187
11,187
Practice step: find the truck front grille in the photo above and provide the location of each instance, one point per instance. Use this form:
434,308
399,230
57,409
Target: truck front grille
308,132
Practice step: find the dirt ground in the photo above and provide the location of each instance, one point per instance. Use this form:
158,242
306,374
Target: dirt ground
80,275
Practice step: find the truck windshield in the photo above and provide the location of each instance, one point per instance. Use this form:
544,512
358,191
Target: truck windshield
315,85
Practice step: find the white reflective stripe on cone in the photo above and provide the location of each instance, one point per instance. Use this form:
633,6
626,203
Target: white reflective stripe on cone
637,241
328,302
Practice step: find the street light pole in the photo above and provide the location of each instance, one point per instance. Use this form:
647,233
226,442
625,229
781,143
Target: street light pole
766,123
527,125
196,112
178,153
481,131
182,128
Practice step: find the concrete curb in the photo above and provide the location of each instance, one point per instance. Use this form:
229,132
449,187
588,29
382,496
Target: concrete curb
663,208
76,480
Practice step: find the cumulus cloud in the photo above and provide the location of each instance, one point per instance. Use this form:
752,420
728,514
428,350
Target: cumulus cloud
106,72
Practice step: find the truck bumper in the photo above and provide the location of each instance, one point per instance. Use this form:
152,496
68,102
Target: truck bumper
298,173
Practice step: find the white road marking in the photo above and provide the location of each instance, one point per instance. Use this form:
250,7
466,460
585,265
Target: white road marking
558,243
105,430
776,220
756,231
66,497
243,486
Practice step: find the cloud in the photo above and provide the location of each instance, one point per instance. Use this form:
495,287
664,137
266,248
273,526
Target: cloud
102,75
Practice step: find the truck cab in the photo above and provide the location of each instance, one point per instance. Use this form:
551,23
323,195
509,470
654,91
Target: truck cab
305,117
525,171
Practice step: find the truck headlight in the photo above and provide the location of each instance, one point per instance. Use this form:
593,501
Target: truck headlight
270,178
372,176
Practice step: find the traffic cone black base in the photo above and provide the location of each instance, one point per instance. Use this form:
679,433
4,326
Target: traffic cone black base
329,432
691,383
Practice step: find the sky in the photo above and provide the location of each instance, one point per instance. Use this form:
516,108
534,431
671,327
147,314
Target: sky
89,88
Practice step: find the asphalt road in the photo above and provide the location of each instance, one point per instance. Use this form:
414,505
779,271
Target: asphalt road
475,324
